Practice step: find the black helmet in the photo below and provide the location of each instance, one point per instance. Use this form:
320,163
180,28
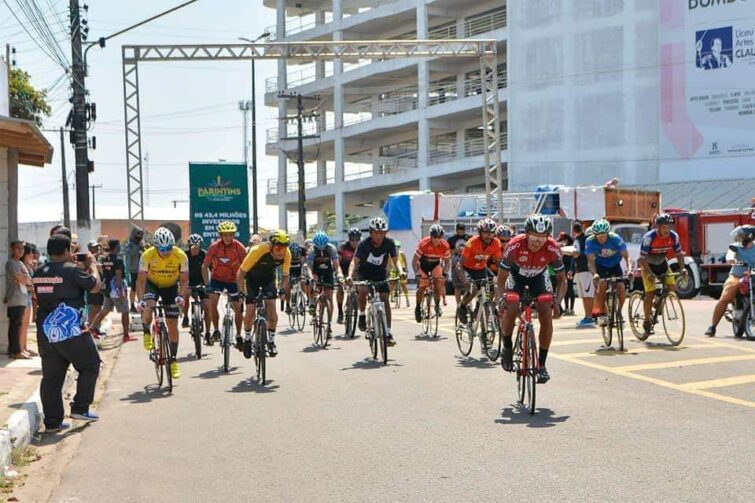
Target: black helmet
664,219
355,233
503,231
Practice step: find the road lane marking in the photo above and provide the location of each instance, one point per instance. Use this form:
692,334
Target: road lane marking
573,342
685,363
646,349
720,383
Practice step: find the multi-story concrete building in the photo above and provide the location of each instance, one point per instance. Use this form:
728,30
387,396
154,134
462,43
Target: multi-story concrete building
383,126
589,90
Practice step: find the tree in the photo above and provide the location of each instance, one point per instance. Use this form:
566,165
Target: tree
26,102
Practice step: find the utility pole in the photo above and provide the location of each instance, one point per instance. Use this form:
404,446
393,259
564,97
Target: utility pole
244,107
66,210
300,154
79,119
94,200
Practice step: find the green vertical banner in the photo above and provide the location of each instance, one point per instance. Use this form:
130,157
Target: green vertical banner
219,191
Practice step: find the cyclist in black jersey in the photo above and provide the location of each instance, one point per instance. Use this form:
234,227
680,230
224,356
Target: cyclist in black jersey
196,256
297,258
345,253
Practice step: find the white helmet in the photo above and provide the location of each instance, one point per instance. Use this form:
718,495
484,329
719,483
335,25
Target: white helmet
378,224
164,239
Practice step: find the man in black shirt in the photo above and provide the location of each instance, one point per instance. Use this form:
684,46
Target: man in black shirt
60,285
114,289
457,242
583,277
371,262
196,257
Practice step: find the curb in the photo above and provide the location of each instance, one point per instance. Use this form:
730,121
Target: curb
24,424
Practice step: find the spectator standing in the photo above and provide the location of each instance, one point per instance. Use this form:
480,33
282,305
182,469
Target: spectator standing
133,252
95,300
30,260
16,298
60,286
566,240
582,277
115,291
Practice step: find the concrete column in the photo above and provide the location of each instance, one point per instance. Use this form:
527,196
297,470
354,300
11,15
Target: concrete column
280,34
340,210
423,126
319,64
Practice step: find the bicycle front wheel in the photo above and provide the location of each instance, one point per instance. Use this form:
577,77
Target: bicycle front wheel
606,329
493,333
351,317
532,368
637,315
464,338
167,358
382,340
672,318
196,334
156,356
372,336
260,341
226,347
293,302
301,313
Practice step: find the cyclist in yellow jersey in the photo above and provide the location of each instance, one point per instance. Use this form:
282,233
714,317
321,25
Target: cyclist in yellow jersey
163,273
402,285
257,276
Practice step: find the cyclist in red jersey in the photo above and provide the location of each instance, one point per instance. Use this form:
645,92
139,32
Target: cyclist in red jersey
525,265
223,258
432,258
478,254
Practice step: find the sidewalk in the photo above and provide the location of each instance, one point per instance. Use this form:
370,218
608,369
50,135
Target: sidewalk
20,406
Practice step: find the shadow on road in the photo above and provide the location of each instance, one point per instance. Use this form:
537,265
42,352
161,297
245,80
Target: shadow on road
317,349
543,417
369,363
44,438
475,363
191,357
148,394
215,373
251,385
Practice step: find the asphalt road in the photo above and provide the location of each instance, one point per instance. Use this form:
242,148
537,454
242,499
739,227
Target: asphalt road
654,423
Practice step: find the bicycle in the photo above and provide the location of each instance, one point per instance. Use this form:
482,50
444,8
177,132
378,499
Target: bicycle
526,364
227,334
483,323
320,330
666,306
396,295
197,320
743,307
615,321
160,354
351,312
298,304
429,315
259,338
377,320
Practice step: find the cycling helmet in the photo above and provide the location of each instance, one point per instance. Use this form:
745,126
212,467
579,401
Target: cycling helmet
664,219
196,240
437,231
226,226
307,243
397,243
321,239
255,239
279,237
745,233
541,224
378,224
503,231
355,233
295,248
601,226
164,239
486,225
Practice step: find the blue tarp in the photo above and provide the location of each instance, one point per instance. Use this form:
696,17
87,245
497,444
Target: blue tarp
399,212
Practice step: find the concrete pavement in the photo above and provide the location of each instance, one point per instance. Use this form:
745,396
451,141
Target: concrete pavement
431,426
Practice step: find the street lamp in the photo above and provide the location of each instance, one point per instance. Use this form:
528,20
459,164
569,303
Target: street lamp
255,222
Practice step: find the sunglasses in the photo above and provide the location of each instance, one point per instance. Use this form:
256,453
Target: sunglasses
164,249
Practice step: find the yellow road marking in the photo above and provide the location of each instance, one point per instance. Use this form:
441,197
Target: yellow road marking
685,363
740,347
720,383
659,382
573,342
646,349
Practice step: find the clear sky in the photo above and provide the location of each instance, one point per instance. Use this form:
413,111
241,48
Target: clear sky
189,110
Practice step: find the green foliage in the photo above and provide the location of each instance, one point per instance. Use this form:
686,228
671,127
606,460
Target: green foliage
26,102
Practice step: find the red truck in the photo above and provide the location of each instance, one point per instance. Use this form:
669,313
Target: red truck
705,236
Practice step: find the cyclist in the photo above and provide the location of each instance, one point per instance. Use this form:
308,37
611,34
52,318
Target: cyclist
345,254
163,273
323,262
476,257
297,260
604,251
525,265
504,235
658,245
254,240
196,283
741,255
224,257
401,283
431,259
371,262
255,276
457,243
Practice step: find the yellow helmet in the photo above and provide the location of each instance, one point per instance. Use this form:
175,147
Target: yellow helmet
279,237
226,226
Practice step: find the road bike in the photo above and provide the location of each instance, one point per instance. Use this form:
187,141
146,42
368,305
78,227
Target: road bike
160,353
259,339
525,358
666,308
351,311
377,319
743,309
429,315
226,340
482,322
298,305
396,295
197,319
321,330
614,322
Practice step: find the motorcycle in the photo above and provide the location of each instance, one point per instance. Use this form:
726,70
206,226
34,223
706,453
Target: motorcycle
743,312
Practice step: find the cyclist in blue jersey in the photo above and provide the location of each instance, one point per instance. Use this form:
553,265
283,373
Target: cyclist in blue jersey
604,251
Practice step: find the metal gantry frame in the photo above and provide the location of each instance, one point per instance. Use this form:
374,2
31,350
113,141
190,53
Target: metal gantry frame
345,50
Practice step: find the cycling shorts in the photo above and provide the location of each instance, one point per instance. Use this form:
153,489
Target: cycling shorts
538,285
168,296
382,288
661,270
609,272
327,277
256,285
217,287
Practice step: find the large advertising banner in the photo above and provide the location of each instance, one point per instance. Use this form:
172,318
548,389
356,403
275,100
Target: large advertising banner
219,191
707,102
